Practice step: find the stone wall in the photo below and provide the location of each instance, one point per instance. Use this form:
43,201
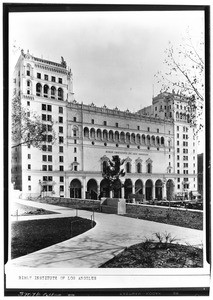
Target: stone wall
69,202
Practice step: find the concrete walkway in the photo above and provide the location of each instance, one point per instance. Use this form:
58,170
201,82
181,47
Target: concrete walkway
111,235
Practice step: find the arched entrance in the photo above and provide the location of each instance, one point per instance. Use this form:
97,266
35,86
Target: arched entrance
92,189
75,189
127,188
104,188
117,189
149,186
139,187
170,190
158,189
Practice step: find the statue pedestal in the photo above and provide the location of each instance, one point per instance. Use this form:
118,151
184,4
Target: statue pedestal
113,206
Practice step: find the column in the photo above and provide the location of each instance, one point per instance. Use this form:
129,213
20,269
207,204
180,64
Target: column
83,188
153,191
164,190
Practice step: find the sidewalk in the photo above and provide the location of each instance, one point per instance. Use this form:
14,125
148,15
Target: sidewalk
111,235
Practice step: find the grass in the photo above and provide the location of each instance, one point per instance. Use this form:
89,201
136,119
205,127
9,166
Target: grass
33,235
182,218
25,210
150,254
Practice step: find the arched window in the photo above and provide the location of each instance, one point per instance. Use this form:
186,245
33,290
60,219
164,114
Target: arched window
105,135
105,165
138,167
162,141
38,89
28,83
28,70
132,138
53,90
46,89
122,136
86,132
116,136
60,94
128,167
149,168
99,134
128,137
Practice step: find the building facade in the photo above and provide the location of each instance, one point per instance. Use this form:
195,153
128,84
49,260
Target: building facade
157,142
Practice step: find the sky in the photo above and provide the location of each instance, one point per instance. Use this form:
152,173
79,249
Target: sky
113,55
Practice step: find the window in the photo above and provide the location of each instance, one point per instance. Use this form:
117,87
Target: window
29,156
92,121
61,188
75,158
61,159
44,158
138,127
50,178
59,80
50,188
61,179
44,147
53,78
149,168
61,139
49,107
139,168
61,168
178,143
28,103
49,127
60,110
148,129
29,187
39,75
178,186
44,117
128,167
177,128
75,168
60,129
157,130
178,171
105,123
61,149
178,165
116,124
49,157
29,178
49,118
178,179
43,107
75,149
75,141
45,77
74,119
178,150
60,119
44,167
29,167
49,148
49,138
50,168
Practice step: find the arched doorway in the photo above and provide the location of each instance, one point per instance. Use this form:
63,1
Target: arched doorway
139,188
149,186
158,189
104,188
127,188
170,190
92,189
117,189
75,189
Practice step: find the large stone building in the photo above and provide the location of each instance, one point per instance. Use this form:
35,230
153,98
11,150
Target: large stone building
157,142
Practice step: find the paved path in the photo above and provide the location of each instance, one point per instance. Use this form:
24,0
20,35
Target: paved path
110,236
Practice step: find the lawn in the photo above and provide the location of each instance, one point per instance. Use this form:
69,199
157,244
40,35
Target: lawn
33,235
183,218
26,210
157,255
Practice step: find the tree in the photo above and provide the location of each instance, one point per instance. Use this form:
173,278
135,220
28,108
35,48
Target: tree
113,172
27,127
185,75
